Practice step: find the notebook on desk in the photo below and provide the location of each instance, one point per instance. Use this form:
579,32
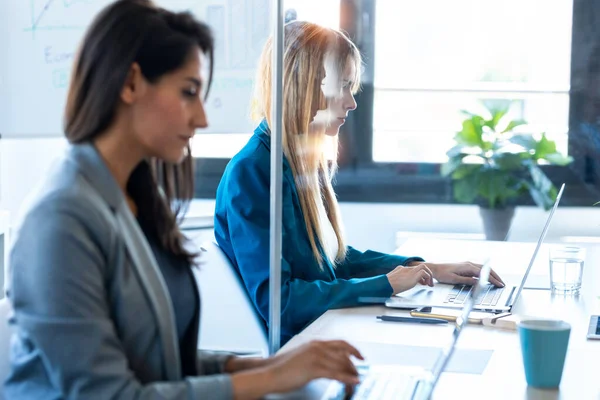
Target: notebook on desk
391,382
491,299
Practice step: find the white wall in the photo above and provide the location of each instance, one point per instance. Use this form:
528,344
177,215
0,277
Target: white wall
376,226
382,226
24,161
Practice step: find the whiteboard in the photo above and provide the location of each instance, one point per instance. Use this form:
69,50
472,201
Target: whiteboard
38,40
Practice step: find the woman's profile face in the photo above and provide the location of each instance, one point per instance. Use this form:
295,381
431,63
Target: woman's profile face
167,114
338,93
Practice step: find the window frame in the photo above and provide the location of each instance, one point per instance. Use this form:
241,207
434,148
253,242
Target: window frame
360,179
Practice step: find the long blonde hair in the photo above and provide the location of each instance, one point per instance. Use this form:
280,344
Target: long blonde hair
305,47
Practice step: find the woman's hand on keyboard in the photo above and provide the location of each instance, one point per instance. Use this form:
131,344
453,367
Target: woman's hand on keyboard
317,359
461,273
404,278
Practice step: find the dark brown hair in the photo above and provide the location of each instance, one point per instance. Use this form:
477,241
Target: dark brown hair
160,42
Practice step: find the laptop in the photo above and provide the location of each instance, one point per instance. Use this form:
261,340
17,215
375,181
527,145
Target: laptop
491,299
389,382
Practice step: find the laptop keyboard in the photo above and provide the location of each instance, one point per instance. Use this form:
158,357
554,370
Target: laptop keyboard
386,385
488,297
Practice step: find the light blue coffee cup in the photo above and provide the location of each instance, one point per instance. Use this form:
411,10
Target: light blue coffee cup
544,347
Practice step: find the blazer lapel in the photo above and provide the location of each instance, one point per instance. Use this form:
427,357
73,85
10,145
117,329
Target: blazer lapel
93,168
156,289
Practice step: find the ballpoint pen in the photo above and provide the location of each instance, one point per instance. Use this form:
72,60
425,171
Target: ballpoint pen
449,318
391,318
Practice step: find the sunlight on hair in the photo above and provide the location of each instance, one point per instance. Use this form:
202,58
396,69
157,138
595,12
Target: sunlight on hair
330,148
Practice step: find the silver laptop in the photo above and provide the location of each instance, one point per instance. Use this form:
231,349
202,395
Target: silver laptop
389,382
492,299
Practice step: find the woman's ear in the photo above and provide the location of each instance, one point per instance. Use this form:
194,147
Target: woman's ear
135,85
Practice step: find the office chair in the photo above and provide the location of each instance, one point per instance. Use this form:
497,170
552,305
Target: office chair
228,318
5,334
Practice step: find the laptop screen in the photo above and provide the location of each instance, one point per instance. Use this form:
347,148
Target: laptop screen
539,244
442,361
461,322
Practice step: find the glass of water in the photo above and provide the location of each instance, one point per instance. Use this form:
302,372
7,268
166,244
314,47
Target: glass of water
566,269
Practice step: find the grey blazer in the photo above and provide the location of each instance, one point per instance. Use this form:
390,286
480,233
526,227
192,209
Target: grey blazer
92,315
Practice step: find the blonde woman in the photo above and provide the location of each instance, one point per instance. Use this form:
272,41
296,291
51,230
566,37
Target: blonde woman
319,271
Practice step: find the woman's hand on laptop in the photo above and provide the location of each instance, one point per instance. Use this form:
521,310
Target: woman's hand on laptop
463,272
330,359
404,278
294,368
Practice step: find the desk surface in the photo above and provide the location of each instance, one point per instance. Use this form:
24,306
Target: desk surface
200,215
503,376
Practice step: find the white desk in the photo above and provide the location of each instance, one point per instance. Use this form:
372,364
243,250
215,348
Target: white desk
503,377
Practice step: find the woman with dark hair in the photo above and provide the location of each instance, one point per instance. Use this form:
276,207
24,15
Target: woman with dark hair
105,305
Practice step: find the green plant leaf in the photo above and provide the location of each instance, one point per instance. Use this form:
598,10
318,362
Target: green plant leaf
492,187
465,170
471,132
497,115
465,190
541,188
558,159
544,147
455,151
487,146
526,141
508,161
513,124
541,198
539,178
450,166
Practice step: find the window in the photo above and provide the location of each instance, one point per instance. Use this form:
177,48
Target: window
434,58
326,13
426,60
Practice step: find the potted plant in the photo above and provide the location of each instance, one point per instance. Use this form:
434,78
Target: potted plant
492,165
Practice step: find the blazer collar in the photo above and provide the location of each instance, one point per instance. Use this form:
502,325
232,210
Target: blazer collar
91,165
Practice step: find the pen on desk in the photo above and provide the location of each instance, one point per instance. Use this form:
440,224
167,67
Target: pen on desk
449,318
391,318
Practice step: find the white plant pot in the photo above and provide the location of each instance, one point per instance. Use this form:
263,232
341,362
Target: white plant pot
496,222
